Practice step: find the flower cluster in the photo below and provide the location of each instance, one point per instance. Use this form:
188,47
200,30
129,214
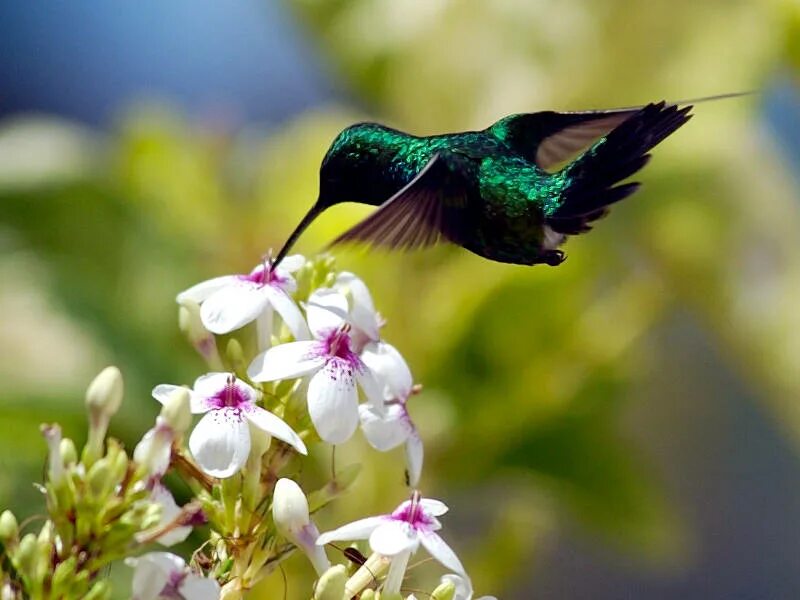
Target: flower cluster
296,358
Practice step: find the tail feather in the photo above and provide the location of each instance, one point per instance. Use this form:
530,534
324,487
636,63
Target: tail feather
593,177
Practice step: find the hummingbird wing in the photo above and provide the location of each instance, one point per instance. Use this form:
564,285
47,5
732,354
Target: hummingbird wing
430,207
551,138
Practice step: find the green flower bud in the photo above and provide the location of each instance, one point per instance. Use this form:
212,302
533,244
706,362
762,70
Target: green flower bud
368,594
235,355
101,590
9,529
177,411
25,557
331,585
389,596
62,577
69,455
99,478
199,337
445,591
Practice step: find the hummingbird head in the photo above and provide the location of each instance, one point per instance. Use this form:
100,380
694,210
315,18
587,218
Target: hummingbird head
353,169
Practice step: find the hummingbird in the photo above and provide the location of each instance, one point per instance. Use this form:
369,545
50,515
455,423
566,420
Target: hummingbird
512,192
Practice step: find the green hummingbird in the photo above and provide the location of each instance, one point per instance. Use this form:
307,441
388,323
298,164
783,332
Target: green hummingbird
512,192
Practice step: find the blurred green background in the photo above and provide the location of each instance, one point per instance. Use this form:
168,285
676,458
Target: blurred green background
625,425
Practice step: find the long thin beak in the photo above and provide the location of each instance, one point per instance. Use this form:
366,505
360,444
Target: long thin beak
312,214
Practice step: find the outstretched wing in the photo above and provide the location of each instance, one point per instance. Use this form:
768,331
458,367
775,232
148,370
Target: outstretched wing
551,138
430,207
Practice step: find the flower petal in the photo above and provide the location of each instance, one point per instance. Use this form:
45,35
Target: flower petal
233,307
154,450
389,368
362,311
384,432
202,291
163,391
287,361
276,427
442,552
393,537
435,508
326,309
373,390
220,442
152,572
289,312
292,263
169,512
357,530
199,588
333,401
414,457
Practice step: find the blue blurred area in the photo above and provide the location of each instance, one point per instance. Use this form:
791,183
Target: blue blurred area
782,114
88,60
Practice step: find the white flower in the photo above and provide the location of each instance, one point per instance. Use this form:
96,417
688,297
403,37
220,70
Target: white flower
393,427
463,587
365,319
221,440
399,534
330,360
164,576
290,514
169,512
232,301
155,448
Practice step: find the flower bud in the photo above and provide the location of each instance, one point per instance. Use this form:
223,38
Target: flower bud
25,556
177,412
55,466
154,450
99,477
104,395
331,584
199,337
368,594
290,513
9,529
444,591
103,399
69,455
101,590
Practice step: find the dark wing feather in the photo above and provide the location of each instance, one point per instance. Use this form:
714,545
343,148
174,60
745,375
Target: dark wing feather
550,138
428,208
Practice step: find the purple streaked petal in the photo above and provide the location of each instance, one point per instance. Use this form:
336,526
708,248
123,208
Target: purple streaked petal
152,573
390,369
233,307
362,311
333,401
288,361
200,292
275,426
326,310
384,432
220,442
414,457
357,530
393,537
439,550
289,312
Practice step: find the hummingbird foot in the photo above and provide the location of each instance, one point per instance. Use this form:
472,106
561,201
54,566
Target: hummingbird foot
552,257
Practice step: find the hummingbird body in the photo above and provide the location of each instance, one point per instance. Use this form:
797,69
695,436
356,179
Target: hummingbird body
510,193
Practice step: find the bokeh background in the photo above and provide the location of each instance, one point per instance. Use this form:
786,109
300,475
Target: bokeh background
624,426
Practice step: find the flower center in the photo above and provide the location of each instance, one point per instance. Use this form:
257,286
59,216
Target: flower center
264,275
338,344
413,513
231,396
172,589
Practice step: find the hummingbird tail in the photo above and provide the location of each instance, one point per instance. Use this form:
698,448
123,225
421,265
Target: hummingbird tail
591,180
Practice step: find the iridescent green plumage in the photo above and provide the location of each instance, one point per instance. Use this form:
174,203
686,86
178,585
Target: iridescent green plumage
510,193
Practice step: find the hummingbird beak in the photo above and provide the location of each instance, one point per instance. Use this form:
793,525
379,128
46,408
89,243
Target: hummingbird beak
312,214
